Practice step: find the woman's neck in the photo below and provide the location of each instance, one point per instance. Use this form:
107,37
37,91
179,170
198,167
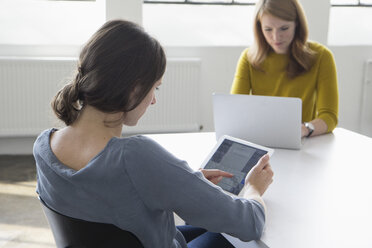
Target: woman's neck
97,122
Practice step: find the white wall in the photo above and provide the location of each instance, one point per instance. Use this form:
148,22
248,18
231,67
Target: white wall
351,62
317,13
130,10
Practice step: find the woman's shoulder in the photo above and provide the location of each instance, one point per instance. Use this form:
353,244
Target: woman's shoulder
318,47
141,153
138,145
46,133
135,141
42,141
244,53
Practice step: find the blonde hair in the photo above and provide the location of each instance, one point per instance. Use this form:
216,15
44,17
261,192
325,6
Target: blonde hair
301,57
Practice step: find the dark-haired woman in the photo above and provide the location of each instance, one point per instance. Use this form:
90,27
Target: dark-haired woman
87,171
282,62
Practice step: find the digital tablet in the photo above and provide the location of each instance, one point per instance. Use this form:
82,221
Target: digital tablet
237,157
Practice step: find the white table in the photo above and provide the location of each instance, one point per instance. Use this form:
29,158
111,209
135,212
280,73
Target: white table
321,195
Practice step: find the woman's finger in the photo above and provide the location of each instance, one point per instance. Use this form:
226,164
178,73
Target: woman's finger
216,180
214,173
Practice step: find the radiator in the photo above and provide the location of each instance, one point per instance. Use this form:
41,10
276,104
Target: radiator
366,109
29,84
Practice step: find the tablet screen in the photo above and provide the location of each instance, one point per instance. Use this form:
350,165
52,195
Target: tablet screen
235,158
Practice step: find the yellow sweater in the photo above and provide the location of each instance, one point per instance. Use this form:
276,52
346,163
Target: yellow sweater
317,88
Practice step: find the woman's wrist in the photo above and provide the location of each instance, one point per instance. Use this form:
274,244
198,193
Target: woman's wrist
304,131
318,127
252,193
307,129
310,128
251,190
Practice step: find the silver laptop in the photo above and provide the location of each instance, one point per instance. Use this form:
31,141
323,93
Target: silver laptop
265,120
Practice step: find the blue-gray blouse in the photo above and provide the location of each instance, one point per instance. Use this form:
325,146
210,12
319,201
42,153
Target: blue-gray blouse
137,185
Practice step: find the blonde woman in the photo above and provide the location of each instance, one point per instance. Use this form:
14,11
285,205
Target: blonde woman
283,62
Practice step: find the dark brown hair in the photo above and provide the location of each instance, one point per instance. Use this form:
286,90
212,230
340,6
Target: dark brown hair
301,57
118,60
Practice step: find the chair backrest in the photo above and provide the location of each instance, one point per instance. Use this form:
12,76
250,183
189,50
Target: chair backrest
71,232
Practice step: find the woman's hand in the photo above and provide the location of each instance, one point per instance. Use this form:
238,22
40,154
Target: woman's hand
215,176
260,176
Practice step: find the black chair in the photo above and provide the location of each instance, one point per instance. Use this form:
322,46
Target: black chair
71,232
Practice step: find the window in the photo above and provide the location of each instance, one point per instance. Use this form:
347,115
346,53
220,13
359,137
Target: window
228,22
199,25
351,3
41,22
213,22
349,23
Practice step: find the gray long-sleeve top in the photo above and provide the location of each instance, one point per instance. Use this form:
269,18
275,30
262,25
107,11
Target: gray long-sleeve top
136,185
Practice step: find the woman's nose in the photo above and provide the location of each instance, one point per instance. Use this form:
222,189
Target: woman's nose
276,36
153,100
